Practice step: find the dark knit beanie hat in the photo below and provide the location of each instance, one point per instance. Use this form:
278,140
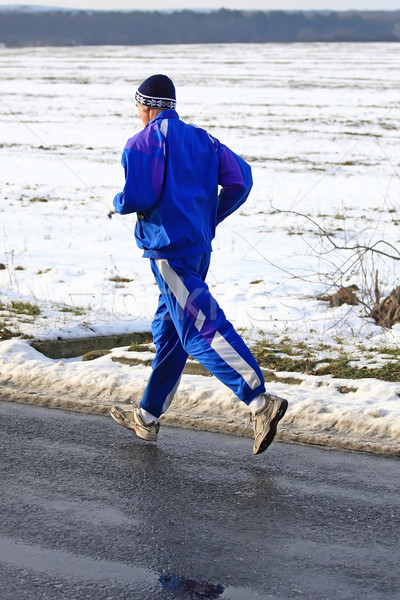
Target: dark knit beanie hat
157,91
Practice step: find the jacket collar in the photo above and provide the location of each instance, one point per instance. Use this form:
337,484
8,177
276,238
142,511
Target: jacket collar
165,114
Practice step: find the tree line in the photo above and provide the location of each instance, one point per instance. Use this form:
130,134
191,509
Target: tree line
66,28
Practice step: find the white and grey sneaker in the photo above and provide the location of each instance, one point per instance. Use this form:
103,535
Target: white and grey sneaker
266,420
132,419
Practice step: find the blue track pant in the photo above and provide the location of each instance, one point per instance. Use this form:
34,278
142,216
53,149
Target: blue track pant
189,321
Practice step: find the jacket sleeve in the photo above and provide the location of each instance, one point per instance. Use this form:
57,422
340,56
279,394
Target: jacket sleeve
235,180
144,164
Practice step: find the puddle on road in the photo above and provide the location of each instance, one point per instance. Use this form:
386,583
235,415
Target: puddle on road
58,563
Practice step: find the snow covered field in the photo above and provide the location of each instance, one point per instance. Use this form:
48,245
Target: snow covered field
320,125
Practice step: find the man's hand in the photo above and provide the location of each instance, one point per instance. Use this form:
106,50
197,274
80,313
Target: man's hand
110,210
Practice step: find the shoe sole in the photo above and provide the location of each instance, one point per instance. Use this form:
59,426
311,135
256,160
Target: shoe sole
269,438
124,423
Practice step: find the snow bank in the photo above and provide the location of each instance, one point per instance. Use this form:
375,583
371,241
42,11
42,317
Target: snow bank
318,413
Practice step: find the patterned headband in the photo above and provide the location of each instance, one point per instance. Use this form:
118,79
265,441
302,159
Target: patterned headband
154,102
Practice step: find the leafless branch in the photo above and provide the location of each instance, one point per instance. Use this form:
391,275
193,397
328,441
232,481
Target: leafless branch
346,247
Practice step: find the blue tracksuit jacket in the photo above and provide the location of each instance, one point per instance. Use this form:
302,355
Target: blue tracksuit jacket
172,174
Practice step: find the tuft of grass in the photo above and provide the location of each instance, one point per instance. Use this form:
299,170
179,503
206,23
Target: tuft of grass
389,351
345,389
142,347
77,311
25,308
43,271
341,369
286,356
7,334
256,281
119,279
2,267
277,362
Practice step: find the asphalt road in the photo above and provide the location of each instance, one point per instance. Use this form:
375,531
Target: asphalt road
88,511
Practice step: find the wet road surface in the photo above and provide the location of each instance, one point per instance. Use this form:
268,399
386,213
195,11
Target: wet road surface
88,511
